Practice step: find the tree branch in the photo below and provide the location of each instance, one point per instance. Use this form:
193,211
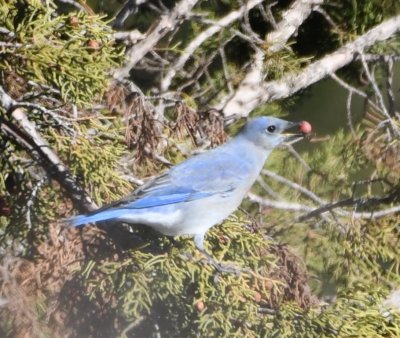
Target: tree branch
130,7
167,23
202,37
250,95
279,204
24,133
291,21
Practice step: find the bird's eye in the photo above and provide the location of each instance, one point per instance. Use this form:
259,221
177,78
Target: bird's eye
271,129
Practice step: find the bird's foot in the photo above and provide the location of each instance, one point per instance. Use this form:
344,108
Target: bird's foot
220,267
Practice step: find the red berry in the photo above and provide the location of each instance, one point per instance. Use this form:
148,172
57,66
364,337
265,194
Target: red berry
93,44
305,127
73,21
200,305
257,297
5,209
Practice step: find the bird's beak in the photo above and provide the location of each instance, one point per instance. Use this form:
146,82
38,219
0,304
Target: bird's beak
291,137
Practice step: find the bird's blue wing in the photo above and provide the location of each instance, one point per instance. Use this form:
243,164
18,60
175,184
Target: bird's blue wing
164,199
218,171
204,175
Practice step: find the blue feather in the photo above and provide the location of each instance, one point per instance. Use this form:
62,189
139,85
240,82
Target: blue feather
104,215
148,202
156,201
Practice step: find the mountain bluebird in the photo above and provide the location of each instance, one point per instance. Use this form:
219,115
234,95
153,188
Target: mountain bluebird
202,191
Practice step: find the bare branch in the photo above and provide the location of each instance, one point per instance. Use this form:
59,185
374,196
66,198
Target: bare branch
378,94
328,18
351,202
31,200
278,204
275,41
389,86
129,36
76,4
248,98
293,185
315,212
324,206
253,79
291,21
167,23
130,7
225,69
267,14
352,89
201,38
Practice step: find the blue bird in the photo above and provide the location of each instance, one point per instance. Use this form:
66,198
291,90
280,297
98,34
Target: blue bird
202,191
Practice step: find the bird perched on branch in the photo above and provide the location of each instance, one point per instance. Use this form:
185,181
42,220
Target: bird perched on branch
202,191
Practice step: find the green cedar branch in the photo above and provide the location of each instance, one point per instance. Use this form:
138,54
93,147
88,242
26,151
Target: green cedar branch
23,132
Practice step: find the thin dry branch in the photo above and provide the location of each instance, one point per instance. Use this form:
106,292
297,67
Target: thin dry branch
336,206
291,21
379,96
293,185
283,205
202,37
167,23
250,95
276,40
130,7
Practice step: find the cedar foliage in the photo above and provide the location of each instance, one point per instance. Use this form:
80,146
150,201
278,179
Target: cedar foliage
118,281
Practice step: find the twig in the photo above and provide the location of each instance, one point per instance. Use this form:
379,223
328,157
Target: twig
297,156
267,188
44,110
74,3
24,133
31,200
167,23
225,69
291,20
354,90
312,212
6,31
389,86
293,185
358,202
327,17
246,27
131,36
378,94
201,38
267,14
130,7
278,204
247,99
348,109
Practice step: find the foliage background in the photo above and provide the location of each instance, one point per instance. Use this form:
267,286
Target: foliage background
304,276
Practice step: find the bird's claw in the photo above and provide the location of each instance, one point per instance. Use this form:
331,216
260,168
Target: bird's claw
223,268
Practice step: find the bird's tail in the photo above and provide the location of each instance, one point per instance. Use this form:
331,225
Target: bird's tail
81,220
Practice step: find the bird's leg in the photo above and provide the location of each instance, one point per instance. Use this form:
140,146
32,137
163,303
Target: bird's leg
199,242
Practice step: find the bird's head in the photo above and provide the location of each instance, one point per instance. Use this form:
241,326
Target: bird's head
269,132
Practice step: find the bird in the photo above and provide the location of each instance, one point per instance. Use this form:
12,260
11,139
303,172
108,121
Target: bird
202,191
